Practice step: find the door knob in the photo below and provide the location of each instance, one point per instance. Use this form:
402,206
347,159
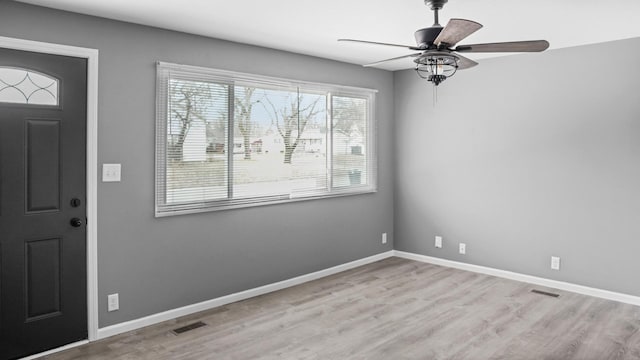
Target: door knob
76,222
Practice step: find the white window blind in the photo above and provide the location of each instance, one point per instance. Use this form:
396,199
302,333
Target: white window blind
227,140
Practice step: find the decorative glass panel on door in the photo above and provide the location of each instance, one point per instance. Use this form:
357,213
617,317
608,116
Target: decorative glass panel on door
24,86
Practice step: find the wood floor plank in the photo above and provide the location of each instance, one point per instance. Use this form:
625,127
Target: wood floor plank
392,309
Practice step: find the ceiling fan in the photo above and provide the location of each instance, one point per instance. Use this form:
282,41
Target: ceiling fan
437,56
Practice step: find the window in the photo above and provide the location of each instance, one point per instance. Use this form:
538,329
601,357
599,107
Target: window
22,86
227,140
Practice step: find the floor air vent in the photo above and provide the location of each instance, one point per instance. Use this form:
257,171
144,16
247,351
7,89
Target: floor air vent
545,293
189,327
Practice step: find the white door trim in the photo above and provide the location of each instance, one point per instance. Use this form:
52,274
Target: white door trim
92,160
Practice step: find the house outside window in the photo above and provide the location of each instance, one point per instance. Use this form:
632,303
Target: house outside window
228,140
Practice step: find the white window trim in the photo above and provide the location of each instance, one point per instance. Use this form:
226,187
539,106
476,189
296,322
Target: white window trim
237,78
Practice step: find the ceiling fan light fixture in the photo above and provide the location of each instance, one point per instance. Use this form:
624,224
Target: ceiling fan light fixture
436,68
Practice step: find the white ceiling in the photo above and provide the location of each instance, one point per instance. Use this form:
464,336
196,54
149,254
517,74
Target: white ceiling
312,27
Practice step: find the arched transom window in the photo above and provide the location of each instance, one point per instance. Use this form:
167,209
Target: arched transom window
24,86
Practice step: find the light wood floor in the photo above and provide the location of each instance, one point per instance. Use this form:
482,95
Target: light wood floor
393,309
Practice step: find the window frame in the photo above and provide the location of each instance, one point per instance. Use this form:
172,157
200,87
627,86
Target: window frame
166,71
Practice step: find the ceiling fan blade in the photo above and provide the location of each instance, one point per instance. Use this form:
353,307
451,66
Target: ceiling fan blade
379,43
515,46
464,62
395,58
456,30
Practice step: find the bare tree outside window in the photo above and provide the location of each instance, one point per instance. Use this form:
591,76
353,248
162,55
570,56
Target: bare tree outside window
349,118
189,102
292,118
243,102
349,140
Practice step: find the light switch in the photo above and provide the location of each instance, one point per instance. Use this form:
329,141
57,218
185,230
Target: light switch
113,302
111,172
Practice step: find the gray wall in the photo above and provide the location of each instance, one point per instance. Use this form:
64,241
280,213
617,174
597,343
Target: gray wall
523,158
160,264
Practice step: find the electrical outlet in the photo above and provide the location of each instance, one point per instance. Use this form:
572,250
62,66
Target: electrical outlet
113,303
439,241
462,248
111,172
384,238
555,263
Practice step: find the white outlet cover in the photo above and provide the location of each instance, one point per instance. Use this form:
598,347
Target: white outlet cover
462,248
438,243
555,263
111,172
113,302
384,238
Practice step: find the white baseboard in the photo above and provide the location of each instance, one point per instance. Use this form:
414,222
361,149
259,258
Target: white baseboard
580,289
210,304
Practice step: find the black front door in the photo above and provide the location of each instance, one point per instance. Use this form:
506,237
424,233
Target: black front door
43,281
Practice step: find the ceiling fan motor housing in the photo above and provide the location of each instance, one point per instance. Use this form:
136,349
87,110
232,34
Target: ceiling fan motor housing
425,37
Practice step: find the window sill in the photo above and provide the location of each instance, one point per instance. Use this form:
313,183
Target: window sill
226,205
